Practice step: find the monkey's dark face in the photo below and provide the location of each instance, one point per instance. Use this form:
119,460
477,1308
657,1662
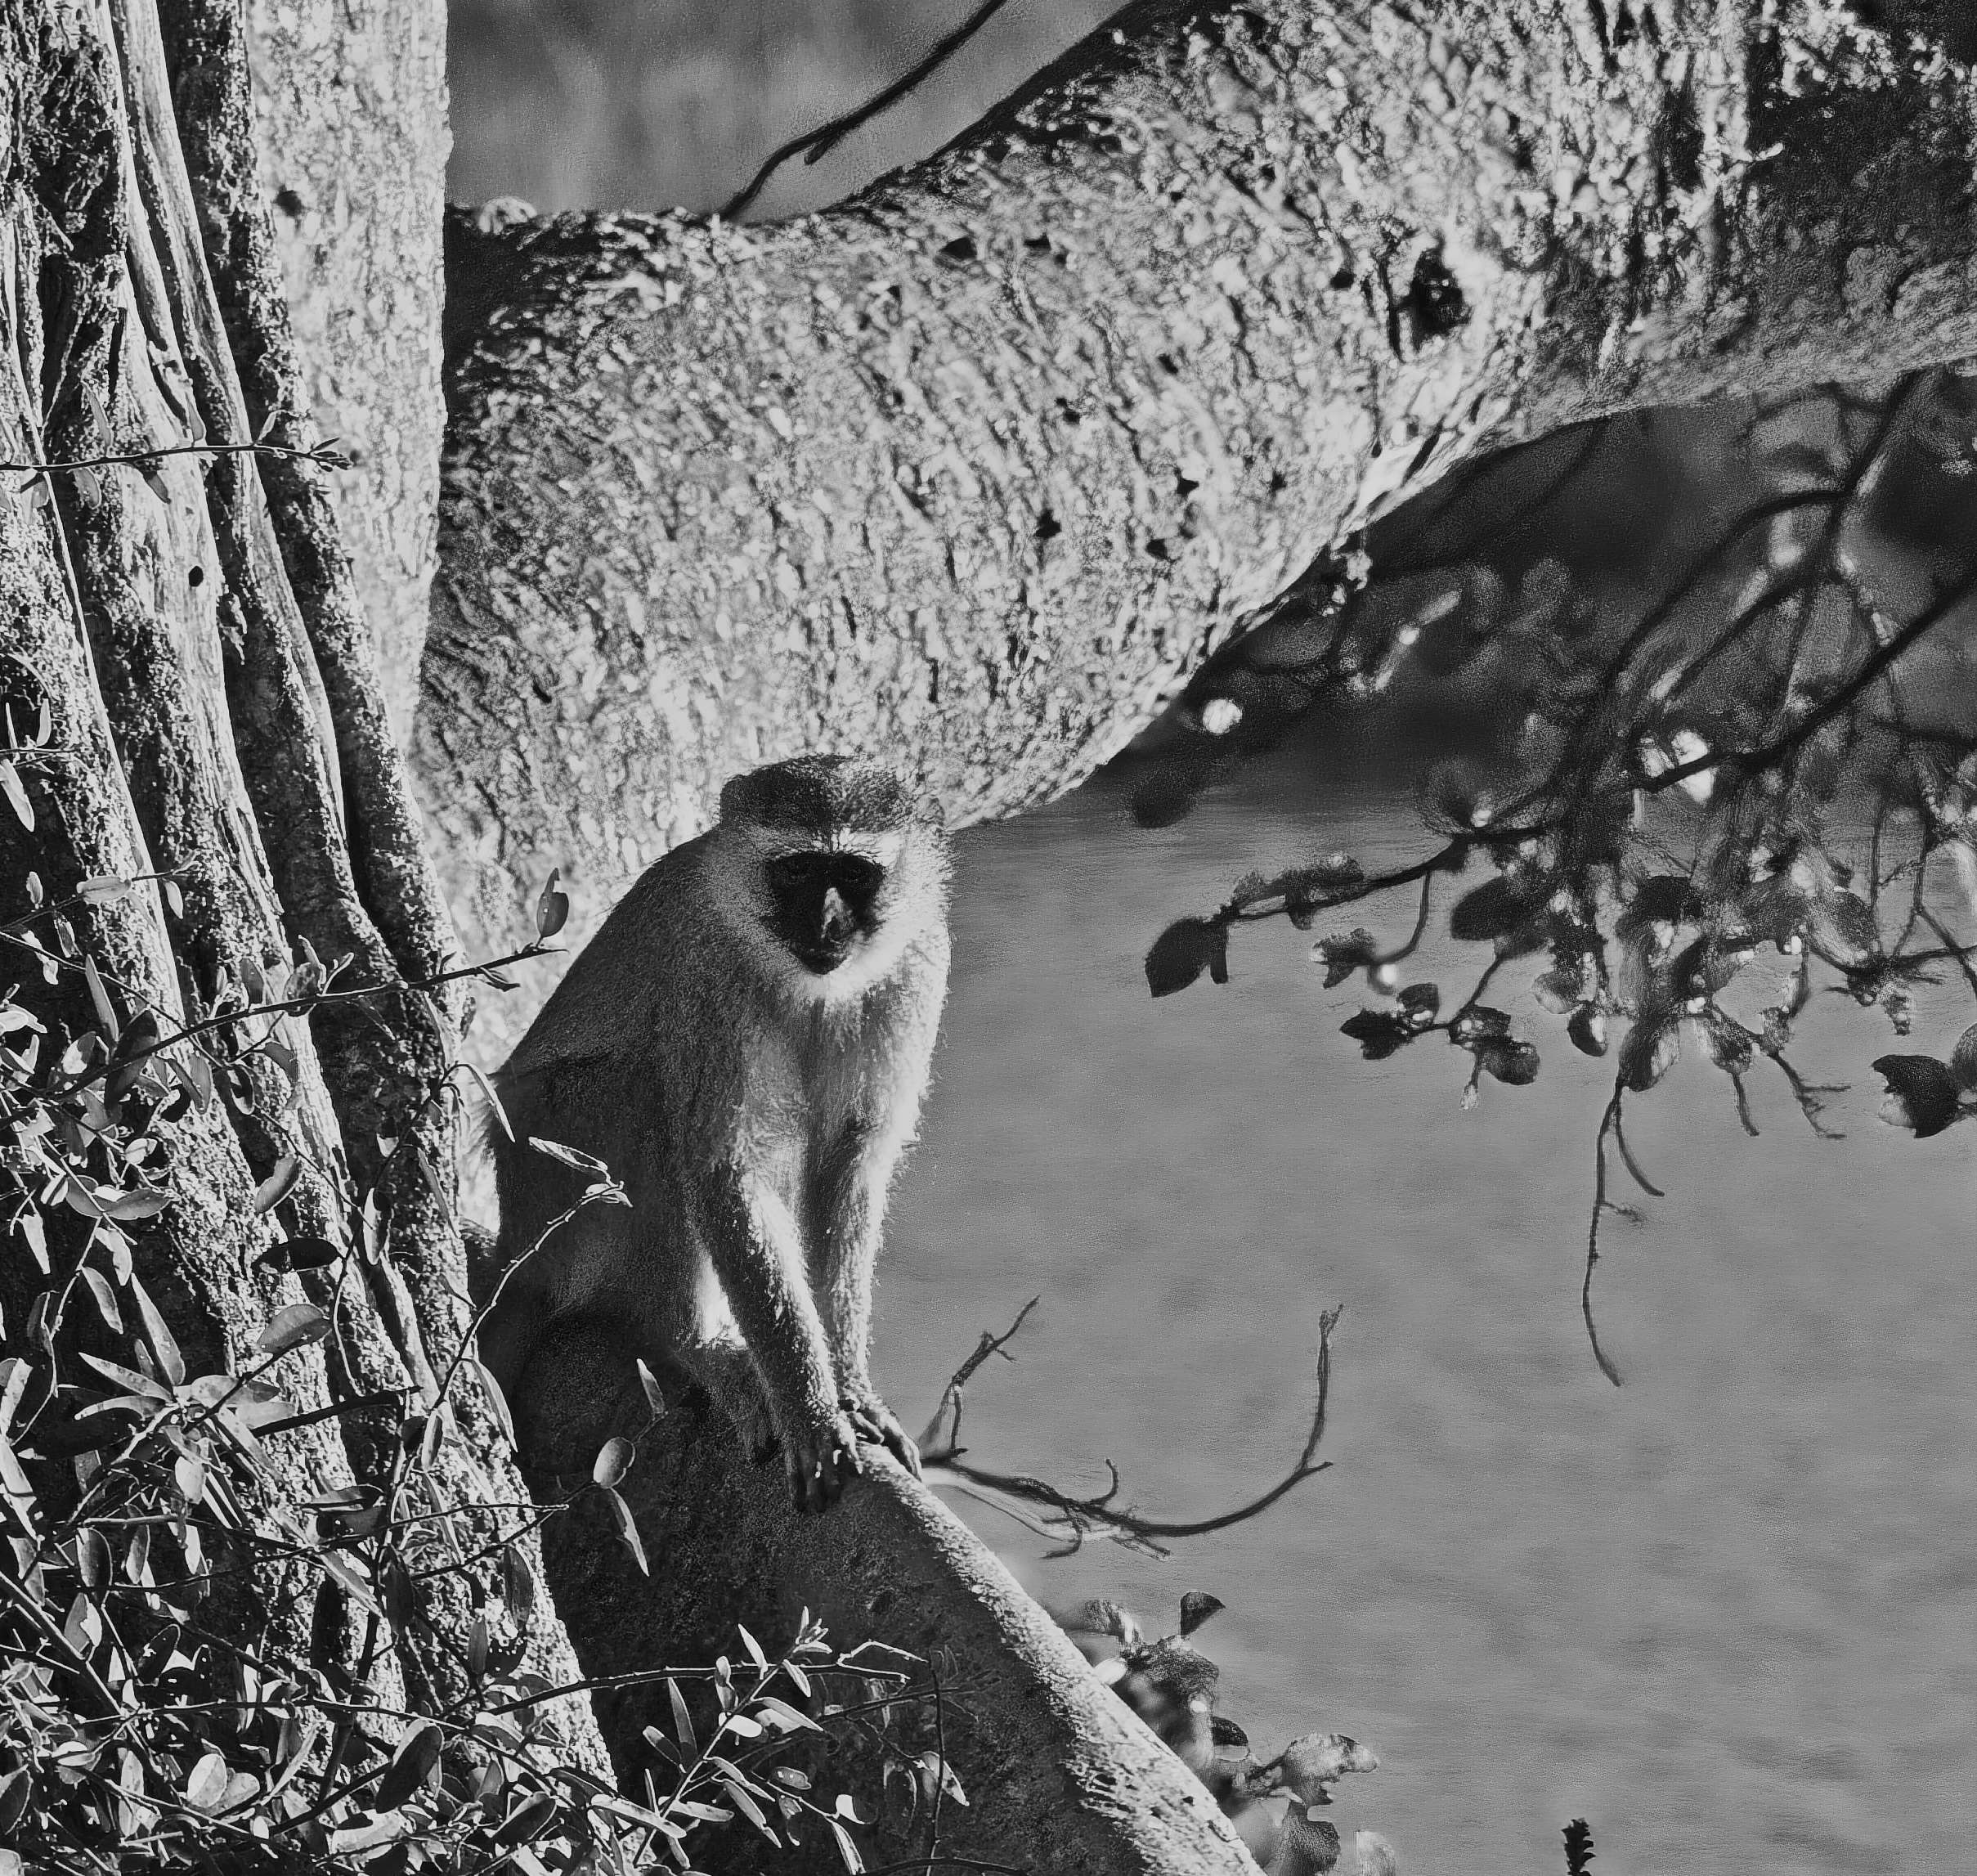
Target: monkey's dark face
823,905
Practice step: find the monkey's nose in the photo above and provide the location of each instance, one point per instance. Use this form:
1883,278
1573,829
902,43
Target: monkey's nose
834,918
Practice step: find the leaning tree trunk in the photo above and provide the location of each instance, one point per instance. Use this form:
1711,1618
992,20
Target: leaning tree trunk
977,467
204,808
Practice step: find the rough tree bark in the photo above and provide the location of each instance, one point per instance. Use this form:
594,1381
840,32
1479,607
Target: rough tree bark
978,466
197,642
352,138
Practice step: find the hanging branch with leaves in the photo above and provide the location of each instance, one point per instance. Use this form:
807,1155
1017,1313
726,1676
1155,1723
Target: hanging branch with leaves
1744,771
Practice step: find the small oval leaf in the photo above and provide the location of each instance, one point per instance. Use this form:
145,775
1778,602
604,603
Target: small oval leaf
1515,1063
530,1820
1647,1054
299,1323
1378,1033
613,1461
518,1586
497,1402
1421,1002
655,1395
298,1254
628,1529
1587,1030
189,1475
1496,907
1183,951
411,1765
552,908
16,1789
278,1184
165,1345
1196,1607
106,1298
1921,1094
328,1623
1559,991
133,1206
91,1557
569,1155
1963,1061
207,1785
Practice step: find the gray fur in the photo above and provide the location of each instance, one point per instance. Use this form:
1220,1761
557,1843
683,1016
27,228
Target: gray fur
753,1111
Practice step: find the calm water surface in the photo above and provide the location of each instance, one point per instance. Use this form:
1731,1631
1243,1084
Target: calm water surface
1727,1613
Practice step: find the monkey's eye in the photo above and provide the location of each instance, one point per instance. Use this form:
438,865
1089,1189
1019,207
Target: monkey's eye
802,875
823,904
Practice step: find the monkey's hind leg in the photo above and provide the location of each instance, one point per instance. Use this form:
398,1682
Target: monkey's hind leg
724,1367
579,1386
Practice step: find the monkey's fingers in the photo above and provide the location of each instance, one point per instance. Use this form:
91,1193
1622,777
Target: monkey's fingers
878,1426
819,1462
904,1448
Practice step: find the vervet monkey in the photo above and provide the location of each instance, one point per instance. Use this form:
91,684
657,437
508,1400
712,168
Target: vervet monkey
745,1044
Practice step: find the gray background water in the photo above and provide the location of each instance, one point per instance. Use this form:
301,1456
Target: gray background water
1725,1612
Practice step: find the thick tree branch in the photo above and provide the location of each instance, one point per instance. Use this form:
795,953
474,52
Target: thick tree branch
978,466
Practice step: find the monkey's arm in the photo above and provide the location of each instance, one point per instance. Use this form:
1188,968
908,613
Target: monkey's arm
757,1251
850,1199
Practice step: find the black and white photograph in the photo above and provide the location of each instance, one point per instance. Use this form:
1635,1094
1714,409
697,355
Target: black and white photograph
988,937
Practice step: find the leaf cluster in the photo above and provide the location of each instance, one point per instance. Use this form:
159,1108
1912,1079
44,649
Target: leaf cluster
1707,816
199,1665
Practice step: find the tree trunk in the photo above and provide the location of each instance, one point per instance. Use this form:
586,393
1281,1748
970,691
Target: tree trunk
350,132
976,467
216,735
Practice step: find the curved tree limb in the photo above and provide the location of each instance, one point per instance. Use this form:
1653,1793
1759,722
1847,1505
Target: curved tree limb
979,465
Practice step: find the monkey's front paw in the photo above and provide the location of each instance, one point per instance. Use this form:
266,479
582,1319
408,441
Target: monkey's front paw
820,1459
878,1426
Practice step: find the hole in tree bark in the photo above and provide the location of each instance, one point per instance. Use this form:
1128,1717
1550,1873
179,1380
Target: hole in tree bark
1434,303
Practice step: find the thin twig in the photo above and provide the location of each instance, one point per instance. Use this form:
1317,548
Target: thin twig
952,1393
1626,1153
1082,1513
321,454
1592,1238
814,145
